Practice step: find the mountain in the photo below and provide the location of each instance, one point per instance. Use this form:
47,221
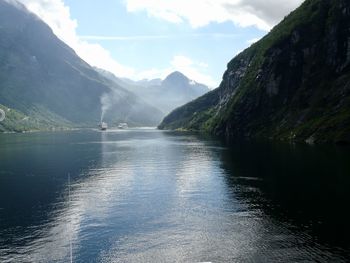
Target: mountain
175,90
43,79
293,84
178,83
12,120
143,82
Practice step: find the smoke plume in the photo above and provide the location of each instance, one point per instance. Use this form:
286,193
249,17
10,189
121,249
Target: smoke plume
106,103
109,100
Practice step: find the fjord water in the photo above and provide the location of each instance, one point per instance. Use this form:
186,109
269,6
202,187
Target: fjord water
152,196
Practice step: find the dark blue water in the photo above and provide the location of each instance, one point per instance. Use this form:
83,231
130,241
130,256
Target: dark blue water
152,196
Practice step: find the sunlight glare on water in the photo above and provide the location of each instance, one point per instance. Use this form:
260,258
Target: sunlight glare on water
142,196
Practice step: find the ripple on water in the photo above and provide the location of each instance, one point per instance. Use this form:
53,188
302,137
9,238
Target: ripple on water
146,196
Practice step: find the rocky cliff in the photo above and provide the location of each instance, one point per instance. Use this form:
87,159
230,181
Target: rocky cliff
293,84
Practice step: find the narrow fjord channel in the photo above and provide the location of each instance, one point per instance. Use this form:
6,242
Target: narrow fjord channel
143,195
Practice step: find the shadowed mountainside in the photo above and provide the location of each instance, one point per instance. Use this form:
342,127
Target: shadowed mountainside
43,79
293,84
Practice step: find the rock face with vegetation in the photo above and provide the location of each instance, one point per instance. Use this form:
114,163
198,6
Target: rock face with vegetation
44,81
293,84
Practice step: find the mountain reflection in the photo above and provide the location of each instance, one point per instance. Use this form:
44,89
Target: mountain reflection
304,186
147,195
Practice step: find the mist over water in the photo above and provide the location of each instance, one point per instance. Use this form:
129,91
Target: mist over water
152,196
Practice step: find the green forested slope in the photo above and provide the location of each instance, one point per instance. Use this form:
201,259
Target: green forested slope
292,84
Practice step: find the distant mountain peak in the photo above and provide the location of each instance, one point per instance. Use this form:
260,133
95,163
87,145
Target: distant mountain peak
182,82
176,76
175,90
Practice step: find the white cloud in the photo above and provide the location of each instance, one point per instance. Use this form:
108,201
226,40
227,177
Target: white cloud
125,38
153,73
57,15
181,62
260,13
157,37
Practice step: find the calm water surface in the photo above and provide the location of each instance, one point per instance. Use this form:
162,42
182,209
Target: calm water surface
152,196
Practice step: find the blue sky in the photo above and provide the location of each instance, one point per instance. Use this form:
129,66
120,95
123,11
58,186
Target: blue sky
159,41
151,38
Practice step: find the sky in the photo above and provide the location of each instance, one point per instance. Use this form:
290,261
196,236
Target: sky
146,39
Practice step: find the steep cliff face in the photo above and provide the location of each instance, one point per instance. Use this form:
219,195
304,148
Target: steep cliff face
292,84
43,80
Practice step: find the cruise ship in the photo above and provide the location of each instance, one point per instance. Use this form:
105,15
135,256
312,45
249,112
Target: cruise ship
122,125
103,126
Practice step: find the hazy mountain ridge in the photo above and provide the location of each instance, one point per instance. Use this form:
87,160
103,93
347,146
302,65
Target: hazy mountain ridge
293,84
143,82
40,76
175,90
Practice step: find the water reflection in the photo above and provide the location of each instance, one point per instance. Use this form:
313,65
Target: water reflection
36,219
304,187
152,196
